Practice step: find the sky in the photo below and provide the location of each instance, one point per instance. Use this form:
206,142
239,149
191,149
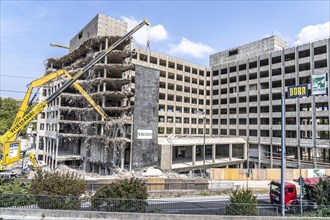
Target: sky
188,30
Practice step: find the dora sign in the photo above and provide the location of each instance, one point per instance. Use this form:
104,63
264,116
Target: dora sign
297,91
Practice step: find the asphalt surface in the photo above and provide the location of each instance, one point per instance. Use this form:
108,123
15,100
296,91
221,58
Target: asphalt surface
215,205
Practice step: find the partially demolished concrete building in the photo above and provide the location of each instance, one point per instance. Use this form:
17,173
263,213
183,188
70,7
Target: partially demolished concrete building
70,129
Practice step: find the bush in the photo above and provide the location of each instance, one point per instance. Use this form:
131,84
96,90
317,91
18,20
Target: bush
242,202
324,212
321,192
14,193
58,191
127,195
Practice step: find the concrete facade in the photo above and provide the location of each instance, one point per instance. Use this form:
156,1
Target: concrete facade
100,26
246,101
145,119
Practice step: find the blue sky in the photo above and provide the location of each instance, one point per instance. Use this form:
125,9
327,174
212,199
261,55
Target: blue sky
190,30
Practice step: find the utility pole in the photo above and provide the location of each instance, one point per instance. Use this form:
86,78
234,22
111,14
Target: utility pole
204,144
283,155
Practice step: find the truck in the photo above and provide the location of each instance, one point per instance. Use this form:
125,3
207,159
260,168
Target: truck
9,147
291,199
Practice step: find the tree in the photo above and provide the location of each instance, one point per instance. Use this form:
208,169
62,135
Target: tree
14,193
127,195
8,111
57,190
242,202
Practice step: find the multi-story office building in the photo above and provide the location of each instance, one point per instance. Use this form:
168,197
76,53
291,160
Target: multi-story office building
218,116
247,83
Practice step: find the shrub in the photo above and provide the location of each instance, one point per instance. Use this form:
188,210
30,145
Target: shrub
127,195
58,191
242,202
14,193
321,192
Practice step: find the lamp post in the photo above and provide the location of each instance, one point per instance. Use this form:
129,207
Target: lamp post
204,144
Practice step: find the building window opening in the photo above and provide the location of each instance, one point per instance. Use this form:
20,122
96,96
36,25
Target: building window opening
320,50
289,57
276,60
320,64
253,65
304,53
242,67
233,52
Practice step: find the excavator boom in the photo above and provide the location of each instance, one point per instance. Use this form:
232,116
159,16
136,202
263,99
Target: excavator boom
22,120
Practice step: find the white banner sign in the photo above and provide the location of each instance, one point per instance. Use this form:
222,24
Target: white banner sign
144,134
319,84
13,150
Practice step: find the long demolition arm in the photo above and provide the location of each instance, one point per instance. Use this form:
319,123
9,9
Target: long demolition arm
21,123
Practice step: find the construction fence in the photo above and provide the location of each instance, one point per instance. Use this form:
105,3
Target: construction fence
235,174
174,184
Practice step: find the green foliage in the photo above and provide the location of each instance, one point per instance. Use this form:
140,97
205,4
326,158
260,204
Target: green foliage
8,111
242,202
122,196
324,212
63,189
321,192
14,193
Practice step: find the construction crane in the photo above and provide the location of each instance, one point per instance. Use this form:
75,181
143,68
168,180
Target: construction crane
11,148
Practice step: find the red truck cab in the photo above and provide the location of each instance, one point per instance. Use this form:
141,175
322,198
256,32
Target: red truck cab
275,193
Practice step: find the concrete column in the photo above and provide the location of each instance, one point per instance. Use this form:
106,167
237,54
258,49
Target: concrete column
122,158
245,156
313,109
258,110
53,154
193,154
56,153
49,151
214,153
44,149
230,152
271,156
166,157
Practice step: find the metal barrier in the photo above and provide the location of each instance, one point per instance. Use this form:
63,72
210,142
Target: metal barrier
136,206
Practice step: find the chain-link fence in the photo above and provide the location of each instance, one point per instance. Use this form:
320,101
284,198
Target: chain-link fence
180,206
136,206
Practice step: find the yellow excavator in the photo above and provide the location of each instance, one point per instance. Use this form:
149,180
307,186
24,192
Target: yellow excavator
14,145
9,146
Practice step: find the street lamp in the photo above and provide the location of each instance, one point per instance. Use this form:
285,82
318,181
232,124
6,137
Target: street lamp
204,132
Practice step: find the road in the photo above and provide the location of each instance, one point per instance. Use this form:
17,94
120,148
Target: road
214,205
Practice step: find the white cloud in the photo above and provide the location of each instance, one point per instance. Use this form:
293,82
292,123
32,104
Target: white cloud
190,48
313,32
157,32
